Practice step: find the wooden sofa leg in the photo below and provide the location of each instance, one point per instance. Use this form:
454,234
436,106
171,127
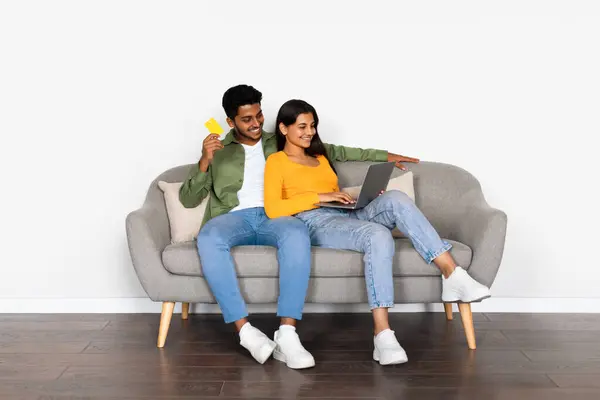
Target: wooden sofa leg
185,309
448,309
165,322
467,320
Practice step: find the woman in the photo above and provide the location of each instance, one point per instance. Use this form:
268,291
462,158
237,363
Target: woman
300,175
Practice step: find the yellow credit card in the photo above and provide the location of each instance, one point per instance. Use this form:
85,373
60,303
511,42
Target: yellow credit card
213,126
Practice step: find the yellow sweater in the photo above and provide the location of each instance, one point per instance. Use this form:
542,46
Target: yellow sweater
291,188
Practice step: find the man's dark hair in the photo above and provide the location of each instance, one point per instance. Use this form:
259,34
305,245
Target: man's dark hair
237,96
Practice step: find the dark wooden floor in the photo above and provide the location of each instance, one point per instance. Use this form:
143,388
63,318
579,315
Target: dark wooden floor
112,357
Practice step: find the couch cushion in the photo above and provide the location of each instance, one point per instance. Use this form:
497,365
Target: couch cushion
261,261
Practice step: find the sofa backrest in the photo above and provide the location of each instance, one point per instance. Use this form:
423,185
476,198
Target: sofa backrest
441,190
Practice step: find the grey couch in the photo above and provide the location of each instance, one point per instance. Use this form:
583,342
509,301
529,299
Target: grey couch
449,196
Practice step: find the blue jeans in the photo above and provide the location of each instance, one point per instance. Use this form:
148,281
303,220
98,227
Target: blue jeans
252,227
368,230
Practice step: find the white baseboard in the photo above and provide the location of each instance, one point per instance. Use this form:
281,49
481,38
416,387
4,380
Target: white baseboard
144,305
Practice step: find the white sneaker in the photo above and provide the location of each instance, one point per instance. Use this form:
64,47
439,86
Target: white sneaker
461,287
387,349
289,349
256,342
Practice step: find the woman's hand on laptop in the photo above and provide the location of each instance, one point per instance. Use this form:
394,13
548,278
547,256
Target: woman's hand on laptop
399,159
336,196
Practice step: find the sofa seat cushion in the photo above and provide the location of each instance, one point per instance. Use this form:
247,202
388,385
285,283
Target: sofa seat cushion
261,261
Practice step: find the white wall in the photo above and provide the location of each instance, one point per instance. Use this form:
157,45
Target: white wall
97,98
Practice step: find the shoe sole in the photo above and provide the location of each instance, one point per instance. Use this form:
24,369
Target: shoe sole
394,362
279,356
476,300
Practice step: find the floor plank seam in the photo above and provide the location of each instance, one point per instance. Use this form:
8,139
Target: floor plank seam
525,355
63,372
552,380
505,336
85,348
105,325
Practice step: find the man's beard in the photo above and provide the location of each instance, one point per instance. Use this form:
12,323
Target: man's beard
239,135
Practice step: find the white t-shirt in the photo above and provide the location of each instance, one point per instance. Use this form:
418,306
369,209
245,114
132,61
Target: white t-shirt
252,192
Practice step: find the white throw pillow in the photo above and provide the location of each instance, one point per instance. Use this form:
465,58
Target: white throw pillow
184,222
404,183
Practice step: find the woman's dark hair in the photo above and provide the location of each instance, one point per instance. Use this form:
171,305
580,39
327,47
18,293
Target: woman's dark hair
287,115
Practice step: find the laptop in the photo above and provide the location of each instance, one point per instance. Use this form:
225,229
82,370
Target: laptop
376,180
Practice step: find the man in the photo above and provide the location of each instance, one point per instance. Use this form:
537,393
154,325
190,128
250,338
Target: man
231,172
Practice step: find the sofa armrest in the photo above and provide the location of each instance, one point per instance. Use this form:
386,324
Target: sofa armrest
147,236
483,229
